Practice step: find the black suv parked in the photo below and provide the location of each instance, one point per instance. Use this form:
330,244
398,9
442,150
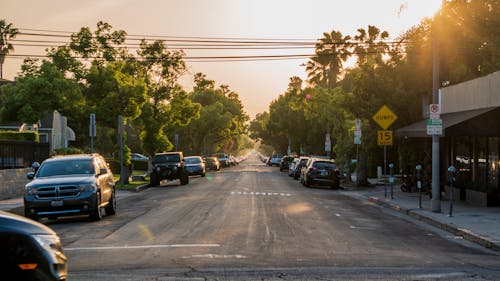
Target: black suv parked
168,166
70,185
30,251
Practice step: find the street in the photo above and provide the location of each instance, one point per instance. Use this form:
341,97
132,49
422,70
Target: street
251,222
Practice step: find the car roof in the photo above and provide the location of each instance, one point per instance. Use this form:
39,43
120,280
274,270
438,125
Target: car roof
72,157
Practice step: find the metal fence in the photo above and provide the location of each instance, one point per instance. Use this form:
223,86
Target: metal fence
21,154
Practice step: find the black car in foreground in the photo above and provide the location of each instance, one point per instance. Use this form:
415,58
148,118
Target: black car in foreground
321,172
29,251
70,185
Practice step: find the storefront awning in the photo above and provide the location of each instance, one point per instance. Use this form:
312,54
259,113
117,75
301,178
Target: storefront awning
478,122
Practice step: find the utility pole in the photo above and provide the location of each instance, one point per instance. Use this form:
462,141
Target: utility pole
436,200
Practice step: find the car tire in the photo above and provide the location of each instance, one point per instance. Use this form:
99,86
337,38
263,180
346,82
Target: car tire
96,214
154,179
203,174
184,179
111,207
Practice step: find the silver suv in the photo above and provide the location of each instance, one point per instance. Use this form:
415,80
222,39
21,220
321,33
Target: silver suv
70,185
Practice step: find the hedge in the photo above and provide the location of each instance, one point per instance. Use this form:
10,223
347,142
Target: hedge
19,136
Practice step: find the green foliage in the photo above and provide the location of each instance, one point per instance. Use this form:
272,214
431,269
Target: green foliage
68,151
19,136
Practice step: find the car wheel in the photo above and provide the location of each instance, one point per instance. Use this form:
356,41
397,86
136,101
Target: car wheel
154,179
111,207
95,214
203,174
184,179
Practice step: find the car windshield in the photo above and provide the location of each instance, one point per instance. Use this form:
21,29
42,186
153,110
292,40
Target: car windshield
163,158
323,165
66,167
192,160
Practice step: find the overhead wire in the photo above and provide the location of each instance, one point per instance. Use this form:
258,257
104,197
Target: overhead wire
194,43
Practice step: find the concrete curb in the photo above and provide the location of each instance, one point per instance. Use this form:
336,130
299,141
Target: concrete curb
141,187
465,233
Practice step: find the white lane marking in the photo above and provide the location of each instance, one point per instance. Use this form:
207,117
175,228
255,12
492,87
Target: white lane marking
337,215
261,193
214,256
127,247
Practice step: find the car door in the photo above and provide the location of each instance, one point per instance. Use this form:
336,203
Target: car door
104,181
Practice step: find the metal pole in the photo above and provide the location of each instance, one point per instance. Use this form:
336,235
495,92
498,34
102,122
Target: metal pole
391,179
419,185
451,171
385,170
120,148
436,200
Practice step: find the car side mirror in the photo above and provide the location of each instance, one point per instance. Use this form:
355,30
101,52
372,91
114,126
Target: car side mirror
102,171
30,175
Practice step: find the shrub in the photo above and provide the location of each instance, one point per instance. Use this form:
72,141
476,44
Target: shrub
19,136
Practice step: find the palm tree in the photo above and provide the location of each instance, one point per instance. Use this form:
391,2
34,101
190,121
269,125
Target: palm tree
7,32
371,46
325,67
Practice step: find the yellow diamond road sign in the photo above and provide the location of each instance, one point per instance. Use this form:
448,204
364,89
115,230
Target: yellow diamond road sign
384,117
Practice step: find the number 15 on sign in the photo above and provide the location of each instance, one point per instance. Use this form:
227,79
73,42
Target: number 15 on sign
384,137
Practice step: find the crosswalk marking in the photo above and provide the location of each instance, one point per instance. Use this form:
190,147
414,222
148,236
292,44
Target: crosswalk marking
260,193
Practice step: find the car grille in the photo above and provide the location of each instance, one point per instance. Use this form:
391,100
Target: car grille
57,192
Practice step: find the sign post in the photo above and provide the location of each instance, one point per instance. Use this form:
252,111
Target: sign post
384,118
92,131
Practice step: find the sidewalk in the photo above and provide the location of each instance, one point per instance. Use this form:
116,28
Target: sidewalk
477,224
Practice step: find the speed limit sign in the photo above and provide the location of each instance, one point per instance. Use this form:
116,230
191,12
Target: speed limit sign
384,137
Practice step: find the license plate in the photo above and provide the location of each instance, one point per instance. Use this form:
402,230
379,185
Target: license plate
56,203
324,173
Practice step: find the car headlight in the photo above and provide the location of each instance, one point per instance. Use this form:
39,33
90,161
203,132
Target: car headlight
86,187
29,191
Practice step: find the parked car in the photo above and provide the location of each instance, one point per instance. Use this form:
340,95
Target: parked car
139,157
275,160
169,166
195,165
291,167
223,159
321,171
285,162
70,185
298,167
211,163
30,250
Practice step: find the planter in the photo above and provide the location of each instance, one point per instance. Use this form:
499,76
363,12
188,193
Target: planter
476,198
456,193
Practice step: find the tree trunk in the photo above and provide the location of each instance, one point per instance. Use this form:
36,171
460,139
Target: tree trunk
362,173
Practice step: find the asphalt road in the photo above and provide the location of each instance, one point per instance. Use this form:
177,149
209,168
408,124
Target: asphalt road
251,222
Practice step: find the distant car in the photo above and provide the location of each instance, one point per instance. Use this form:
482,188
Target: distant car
211,163
70,185
169,166
291,167
298,167
223,159
275,160
321,172
139,157
285,163
30,250
195,165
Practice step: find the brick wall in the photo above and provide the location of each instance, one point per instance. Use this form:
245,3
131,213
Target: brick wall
12,182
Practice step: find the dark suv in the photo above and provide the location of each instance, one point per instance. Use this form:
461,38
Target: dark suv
70,185
168,166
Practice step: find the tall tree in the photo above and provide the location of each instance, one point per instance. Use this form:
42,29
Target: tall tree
325,67
7,32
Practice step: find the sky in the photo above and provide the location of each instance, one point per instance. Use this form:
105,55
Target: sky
256,82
